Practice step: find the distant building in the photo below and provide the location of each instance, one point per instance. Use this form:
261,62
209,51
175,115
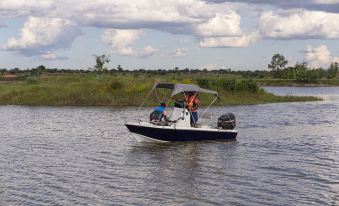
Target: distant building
9,77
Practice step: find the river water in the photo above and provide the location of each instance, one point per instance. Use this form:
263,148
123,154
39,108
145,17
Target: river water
285,154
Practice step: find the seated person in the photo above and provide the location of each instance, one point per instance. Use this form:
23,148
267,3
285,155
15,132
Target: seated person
160,113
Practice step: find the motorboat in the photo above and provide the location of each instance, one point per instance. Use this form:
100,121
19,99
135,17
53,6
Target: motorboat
182,128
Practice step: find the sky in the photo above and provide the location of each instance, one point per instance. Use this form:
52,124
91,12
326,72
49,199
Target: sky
148,34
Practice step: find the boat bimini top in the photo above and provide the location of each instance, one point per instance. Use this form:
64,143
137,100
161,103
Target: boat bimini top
178,88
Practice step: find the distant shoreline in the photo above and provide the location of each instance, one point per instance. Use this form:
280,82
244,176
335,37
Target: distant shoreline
293,83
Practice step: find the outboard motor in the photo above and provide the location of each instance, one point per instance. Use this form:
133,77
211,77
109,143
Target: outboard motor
227,121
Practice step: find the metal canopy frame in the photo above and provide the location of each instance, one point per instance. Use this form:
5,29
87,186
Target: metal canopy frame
182,88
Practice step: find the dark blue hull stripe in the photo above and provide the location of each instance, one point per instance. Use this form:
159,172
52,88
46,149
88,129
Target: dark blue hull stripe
180,135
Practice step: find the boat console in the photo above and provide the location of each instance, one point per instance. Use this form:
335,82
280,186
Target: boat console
181,114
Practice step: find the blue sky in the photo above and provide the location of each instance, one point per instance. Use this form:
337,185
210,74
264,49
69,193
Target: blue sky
168,33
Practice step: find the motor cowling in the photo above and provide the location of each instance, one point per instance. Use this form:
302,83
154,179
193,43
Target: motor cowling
227,121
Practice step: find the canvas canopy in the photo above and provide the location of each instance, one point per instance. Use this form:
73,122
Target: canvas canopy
178,88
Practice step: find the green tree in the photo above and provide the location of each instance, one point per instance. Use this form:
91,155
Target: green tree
120,69
289,73
100,60
301,72
306,75
277,64
332,70
41,68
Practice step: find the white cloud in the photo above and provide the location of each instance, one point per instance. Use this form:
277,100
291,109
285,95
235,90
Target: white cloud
299,24
147,51
121,40
335,59
209,67
55,24
19,4
180,52
17,8
39,35
123,14
189,17
50,56
221,25
326,1
242,41
316,5
319,56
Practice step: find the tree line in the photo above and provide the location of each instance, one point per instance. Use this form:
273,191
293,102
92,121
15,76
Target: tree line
301,71
277,68
39,70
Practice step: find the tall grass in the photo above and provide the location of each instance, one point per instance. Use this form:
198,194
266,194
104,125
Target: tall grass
229,84
125,90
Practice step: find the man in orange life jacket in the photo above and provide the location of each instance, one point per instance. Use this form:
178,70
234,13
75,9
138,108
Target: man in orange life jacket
193,104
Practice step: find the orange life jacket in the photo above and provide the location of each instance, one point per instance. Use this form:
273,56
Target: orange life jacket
191,103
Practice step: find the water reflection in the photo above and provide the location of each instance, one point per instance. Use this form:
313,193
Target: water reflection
285,154
182,168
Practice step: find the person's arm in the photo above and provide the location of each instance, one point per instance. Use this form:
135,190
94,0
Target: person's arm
196,104
166,117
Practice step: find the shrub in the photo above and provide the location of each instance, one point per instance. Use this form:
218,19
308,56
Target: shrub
115,85
32,80
228,84
234,85
204,83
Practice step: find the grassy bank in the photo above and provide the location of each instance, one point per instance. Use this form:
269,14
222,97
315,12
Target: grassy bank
125,90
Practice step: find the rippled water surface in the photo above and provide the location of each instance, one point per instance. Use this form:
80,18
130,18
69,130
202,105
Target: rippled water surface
285,154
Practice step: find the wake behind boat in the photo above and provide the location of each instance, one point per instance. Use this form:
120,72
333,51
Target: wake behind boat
182,128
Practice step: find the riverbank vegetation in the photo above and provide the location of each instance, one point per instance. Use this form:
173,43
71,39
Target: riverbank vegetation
127,90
